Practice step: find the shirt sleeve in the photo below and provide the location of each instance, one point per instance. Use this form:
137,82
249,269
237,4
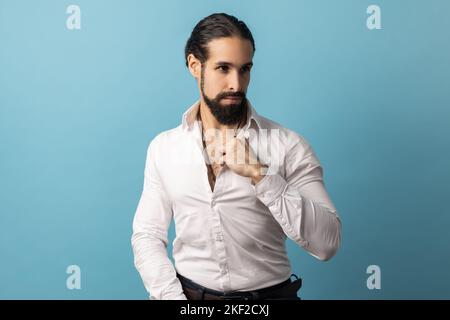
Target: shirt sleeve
300,203
149,240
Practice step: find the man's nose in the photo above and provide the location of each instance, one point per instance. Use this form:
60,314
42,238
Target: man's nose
235,81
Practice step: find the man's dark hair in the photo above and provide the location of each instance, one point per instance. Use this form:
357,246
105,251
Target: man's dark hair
217,25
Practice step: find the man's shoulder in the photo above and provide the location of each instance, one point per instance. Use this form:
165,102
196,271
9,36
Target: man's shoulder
166,138
288,137
168,135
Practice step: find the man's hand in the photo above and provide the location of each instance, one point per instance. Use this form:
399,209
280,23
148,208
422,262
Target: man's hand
240,158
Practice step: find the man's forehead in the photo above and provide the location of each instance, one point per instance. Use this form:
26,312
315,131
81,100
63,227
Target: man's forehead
233,50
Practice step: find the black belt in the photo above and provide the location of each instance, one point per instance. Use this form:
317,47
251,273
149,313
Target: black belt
287,289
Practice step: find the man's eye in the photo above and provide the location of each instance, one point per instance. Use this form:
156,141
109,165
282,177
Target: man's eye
223,68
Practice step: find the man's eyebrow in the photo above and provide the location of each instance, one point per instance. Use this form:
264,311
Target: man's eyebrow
224,63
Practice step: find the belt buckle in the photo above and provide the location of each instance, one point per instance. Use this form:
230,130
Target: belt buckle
233,297
242,296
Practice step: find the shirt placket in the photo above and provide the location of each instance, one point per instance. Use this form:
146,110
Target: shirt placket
216,223
217,230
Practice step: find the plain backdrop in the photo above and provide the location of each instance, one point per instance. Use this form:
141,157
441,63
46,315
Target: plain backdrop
78,109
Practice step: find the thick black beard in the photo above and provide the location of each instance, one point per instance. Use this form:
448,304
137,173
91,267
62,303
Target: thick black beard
226,115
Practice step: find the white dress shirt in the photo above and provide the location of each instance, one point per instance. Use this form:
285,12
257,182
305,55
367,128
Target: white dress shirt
232,238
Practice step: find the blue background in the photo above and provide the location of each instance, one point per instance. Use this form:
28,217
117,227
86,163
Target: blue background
79,107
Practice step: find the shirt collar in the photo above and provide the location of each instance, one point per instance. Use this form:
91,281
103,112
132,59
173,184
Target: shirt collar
190,116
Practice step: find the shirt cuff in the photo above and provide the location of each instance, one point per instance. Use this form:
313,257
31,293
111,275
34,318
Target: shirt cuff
270,188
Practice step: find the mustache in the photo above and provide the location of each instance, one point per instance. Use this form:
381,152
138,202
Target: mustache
230,94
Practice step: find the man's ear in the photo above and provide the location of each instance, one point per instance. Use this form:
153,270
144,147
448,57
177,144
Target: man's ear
194,66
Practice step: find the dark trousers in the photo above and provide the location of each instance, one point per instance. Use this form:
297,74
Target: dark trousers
286,290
